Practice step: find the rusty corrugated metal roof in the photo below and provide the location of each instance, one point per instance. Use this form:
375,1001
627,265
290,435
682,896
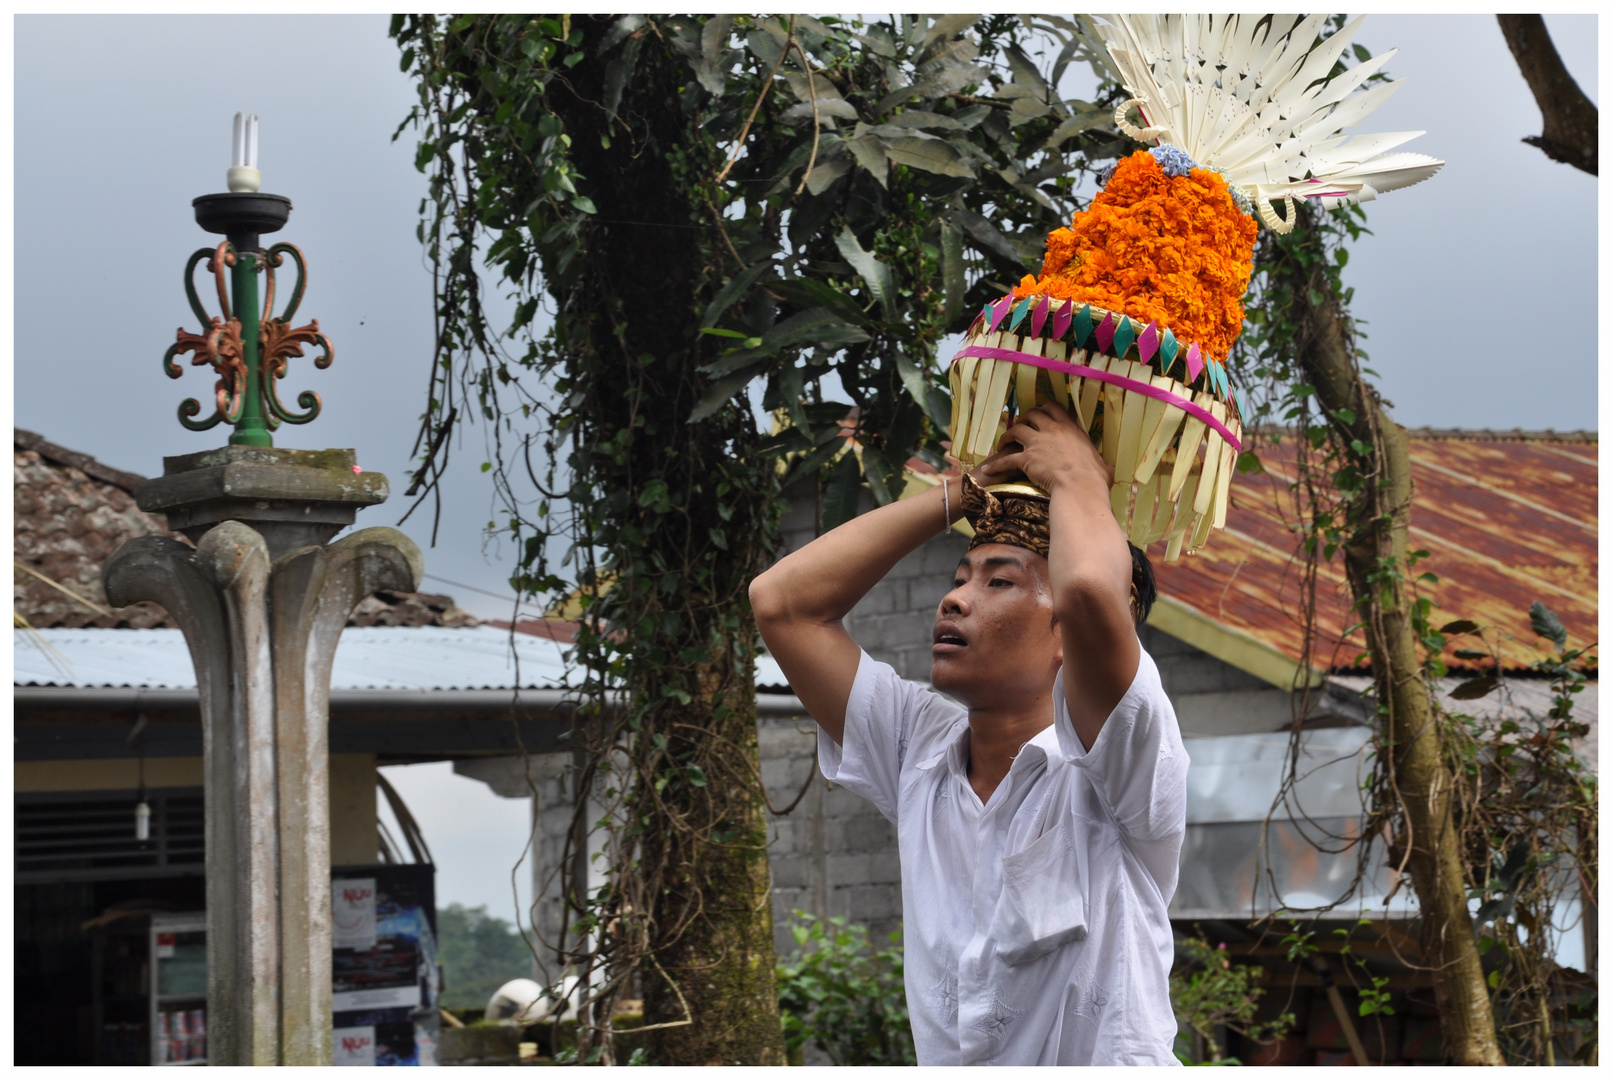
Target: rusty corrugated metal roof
1507,518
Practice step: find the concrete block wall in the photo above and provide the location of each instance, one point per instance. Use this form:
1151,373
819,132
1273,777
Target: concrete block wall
833,853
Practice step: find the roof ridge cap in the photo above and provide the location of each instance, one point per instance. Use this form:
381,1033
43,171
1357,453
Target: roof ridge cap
84,463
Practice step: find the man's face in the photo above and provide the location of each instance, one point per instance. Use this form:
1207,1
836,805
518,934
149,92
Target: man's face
994,639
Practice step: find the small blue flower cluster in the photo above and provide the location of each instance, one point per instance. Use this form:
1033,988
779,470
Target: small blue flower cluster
1173,160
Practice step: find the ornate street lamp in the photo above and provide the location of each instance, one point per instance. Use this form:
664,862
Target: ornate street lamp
262,598
248,349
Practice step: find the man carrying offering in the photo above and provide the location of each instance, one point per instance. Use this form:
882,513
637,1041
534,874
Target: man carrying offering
1040,805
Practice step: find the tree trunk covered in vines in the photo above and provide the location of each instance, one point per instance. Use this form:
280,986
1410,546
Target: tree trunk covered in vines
1376,559
683,502
710,204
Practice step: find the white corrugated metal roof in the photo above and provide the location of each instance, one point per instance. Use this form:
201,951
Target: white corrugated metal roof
368,658
769,676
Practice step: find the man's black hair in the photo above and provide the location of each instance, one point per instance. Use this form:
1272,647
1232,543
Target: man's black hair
1142,581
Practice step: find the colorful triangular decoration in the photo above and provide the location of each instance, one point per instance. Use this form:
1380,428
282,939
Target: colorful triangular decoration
1061,321
1194,363
1123,336
999,311
1040,317
1148,343
1019,313
1168,348
1105,332
1083,326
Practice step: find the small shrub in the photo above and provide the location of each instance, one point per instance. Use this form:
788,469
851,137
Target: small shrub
837,992
1208,991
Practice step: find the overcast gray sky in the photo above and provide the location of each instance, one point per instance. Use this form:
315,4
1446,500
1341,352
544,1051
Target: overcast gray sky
1478,287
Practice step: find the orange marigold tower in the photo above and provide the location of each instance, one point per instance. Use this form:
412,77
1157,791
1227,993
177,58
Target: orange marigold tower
1139,299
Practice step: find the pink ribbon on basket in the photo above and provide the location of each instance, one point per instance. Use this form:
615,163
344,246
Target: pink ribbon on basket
1122,381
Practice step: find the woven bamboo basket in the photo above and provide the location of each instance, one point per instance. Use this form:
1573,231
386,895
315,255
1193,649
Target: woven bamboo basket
1174,449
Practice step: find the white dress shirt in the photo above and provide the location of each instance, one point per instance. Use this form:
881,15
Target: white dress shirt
1036,925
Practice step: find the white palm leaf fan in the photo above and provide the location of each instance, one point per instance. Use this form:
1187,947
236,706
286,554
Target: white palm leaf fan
1247,96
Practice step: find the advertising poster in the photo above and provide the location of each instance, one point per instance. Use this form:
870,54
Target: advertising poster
387,979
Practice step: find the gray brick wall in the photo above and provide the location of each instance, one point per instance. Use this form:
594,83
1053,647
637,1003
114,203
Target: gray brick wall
833,854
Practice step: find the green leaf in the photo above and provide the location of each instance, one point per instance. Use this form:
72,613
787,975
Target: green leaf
719,332
919,388
842,493
1459,626
713,48
951,268
1547,625
930,155
880,281
1074,125
584,204
815,460
1473,689
989,237
824,173
869,151
792,387
765,49
818,324
720,392
617,73
619,30
807,292
731,292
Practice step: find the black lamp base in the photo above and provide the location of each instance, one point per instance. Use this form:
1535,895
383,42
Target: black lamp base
243,216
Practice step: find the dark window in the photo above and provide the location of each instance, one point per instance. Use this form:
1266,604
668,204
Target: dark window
84,836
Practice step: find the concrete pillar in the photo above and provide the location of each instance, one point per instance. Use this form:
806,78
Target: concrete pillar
262,600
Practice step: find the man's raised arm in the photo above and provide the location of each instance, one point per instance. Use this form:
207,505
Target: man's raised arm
800,603
1089,563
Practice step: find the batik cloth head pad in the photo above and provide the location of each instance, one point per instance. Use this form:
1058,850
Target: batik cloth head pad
1020,515
1015,514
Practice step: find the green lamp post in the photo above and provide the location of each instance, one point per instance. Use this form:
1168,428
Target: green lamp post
247,344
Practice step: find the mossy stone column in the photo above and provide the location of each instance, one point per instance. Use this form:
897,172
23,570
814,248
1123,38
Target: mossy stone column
262,599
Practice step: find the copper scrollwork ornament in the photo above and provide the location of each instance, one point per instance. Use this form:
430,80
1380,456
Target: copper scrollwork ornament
221,346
